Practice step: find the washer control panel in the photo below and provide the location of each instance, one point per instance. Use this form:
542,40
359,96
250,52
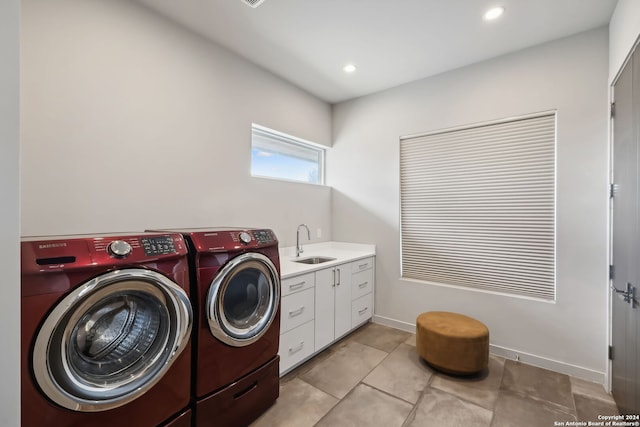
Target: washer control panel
263,236
245,237
161,245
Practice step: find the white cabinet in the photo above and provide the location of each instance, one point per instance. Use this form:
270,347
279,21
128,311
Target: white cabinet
321,307
361,283
297,312
362,279
296,309
297,283
296,346
361,310
333,304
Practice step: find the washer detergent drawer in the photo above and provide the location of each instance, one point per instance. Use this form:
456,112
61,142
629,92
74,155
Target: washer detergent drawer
243,401
296,309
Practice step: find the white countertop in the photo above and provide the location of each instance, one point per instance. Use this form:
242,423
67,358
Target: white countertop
342,252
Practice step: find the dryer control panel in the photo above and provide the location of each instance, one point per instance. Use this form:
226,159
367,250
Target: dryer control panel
261,237
225,239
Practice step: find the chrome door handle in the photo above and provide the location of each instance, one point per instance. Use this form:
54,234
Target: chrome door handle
629,295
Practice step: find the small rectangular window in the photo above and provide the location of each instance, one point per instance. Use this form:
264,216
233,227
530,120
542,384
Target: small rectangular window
280,156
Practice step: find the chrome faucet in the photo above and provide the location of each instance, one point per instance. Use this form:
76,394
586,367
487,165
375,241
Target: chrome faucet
298,245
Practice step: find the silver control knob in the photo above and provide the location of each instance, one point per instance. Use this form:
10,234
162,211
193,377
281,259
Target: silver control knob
245,238
119,249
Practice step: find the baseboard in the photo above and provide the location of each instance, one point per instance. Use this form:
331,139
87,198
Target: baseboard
546,363
393,323
508,353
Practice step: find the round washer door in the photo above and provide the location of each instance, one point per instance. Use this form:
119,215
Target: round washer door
243,299
111,339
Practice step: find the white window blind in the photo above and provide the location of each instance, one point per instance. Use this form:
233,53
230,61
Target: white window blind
478,207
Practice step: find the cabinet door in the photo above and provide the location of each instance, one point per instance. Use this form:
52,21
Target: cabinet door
325,310
295,346
296,309
342,300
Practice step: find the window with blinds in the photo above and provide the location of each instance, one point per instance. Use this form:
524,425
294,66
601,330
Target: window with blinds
478,207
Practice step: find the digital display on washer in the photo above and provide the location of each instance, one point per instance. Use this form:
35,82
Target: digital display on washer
263,236
158,245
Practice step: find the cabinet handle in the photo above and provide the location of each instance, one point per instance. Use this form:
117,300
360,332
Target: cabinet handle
339,278
362,285
360,312
298,312
363,266
333,284
293,350
297,285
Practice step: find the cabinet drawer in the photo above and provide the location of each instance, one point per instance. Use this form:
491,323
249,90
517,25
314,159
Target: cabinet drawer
296,309
361,283
361,310
362,264
296,345
297,283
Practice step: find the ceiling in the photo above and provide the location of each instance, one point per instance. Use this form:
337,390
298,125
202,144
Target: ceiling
390,41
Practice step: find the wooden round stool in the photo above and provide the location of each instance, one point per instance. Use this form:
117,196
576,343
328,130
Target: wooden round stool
453,343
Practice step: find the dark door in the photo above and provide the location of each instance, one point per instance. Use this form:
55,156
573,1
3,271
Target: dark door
626,239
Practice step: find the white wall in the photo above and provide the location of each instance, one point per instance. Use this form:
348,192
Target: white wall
9,213
132,122
570,76
624,29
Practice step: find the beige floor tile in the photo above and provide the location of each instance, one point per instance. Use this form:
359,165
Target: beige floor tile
344,368
309,364
411,340
440,409
538,383
402,374
299,405
366,406
590,389
513,409
481,389
382,381
589,408
381,337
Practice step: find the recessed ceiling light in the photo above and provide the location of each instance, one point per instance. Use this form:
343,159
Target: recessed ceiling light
493,13
253,3
349,68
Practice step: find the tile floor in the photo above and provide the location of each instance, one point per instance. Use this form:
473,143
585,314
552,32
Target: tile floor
374,377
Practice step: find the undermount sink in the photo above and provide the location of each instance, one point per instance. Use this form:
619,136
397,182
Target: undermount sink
314,260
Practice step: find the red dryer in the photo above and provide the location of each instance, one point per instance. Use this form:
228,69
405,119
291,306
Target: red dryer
105,331
236,287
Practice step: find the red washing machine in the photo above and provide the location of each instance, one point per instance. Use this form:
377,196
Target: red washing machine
236,287
105,331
